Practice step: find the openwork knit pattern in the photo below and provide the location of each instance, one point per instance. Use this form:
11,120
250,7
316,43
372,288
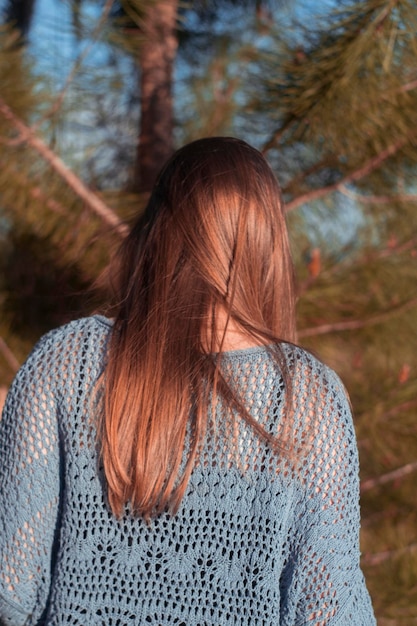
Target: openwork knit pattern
258,540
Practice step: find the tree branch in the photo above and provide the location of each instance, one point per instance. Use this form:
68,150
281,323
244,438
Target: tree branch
380,557
277,135
408,86
368,167
400,472
404,406
377,199
356,324
3,394
327,161
392,250
9,356
92,201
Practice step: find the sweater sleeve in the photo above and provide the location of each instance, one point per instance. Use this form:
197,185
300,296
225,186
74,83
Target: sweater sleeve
322,583
29,488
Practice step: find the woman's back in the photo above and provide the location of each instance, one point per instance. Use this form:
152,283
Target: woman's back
148,475
258,538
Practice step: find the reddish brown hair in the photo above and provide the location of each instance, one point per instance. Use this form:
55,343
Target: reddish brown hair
213,236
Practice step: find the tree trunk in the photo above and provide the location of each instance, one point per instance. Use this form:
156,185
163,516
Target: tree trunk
157,56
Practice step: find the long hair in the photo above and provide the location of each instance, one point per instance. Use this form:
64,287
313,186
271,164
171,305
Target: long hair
213,237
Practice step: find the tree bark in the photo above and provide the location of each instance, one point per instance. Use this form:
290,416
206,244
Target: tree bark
157,55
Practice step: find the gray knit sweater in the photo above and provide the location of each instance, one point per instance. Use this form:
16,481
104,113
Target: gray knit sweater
257,540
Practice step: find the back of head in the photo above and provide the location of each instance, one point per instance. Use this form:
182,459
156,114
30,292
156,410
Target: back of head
215,227
212,239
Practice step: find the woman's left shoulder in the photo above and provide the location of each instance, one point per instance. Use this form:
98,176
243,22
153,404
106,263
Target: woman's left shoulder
65,347
81,331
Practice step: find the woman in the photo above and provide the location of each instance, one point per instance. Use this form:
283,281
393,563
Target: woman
184,462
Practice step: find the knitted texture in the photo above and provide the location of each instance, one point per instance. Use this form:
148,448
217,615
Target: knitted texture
258,540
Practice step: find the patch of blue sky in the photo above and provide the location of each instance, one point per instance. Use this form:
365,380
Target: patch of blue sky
55,44
333,223
100,83
51,39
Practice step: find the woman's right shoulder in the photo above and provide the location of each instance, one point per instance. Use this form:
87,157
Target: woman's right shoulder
302,362
320,401
311,377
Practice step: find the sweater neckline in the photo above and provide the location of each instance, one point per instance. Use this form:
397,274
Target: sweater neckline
250,350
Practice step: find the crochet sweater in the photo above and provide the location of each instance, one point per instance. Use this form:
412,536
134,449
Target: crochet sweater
259,540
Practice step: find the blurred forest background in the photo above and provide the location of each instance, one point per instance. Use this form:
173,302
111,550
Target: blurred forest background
95,94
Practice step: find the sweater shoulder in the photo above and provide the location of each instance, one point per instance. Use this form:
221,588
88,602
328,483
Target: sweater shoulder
305,366
86,331
62,353
79,328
